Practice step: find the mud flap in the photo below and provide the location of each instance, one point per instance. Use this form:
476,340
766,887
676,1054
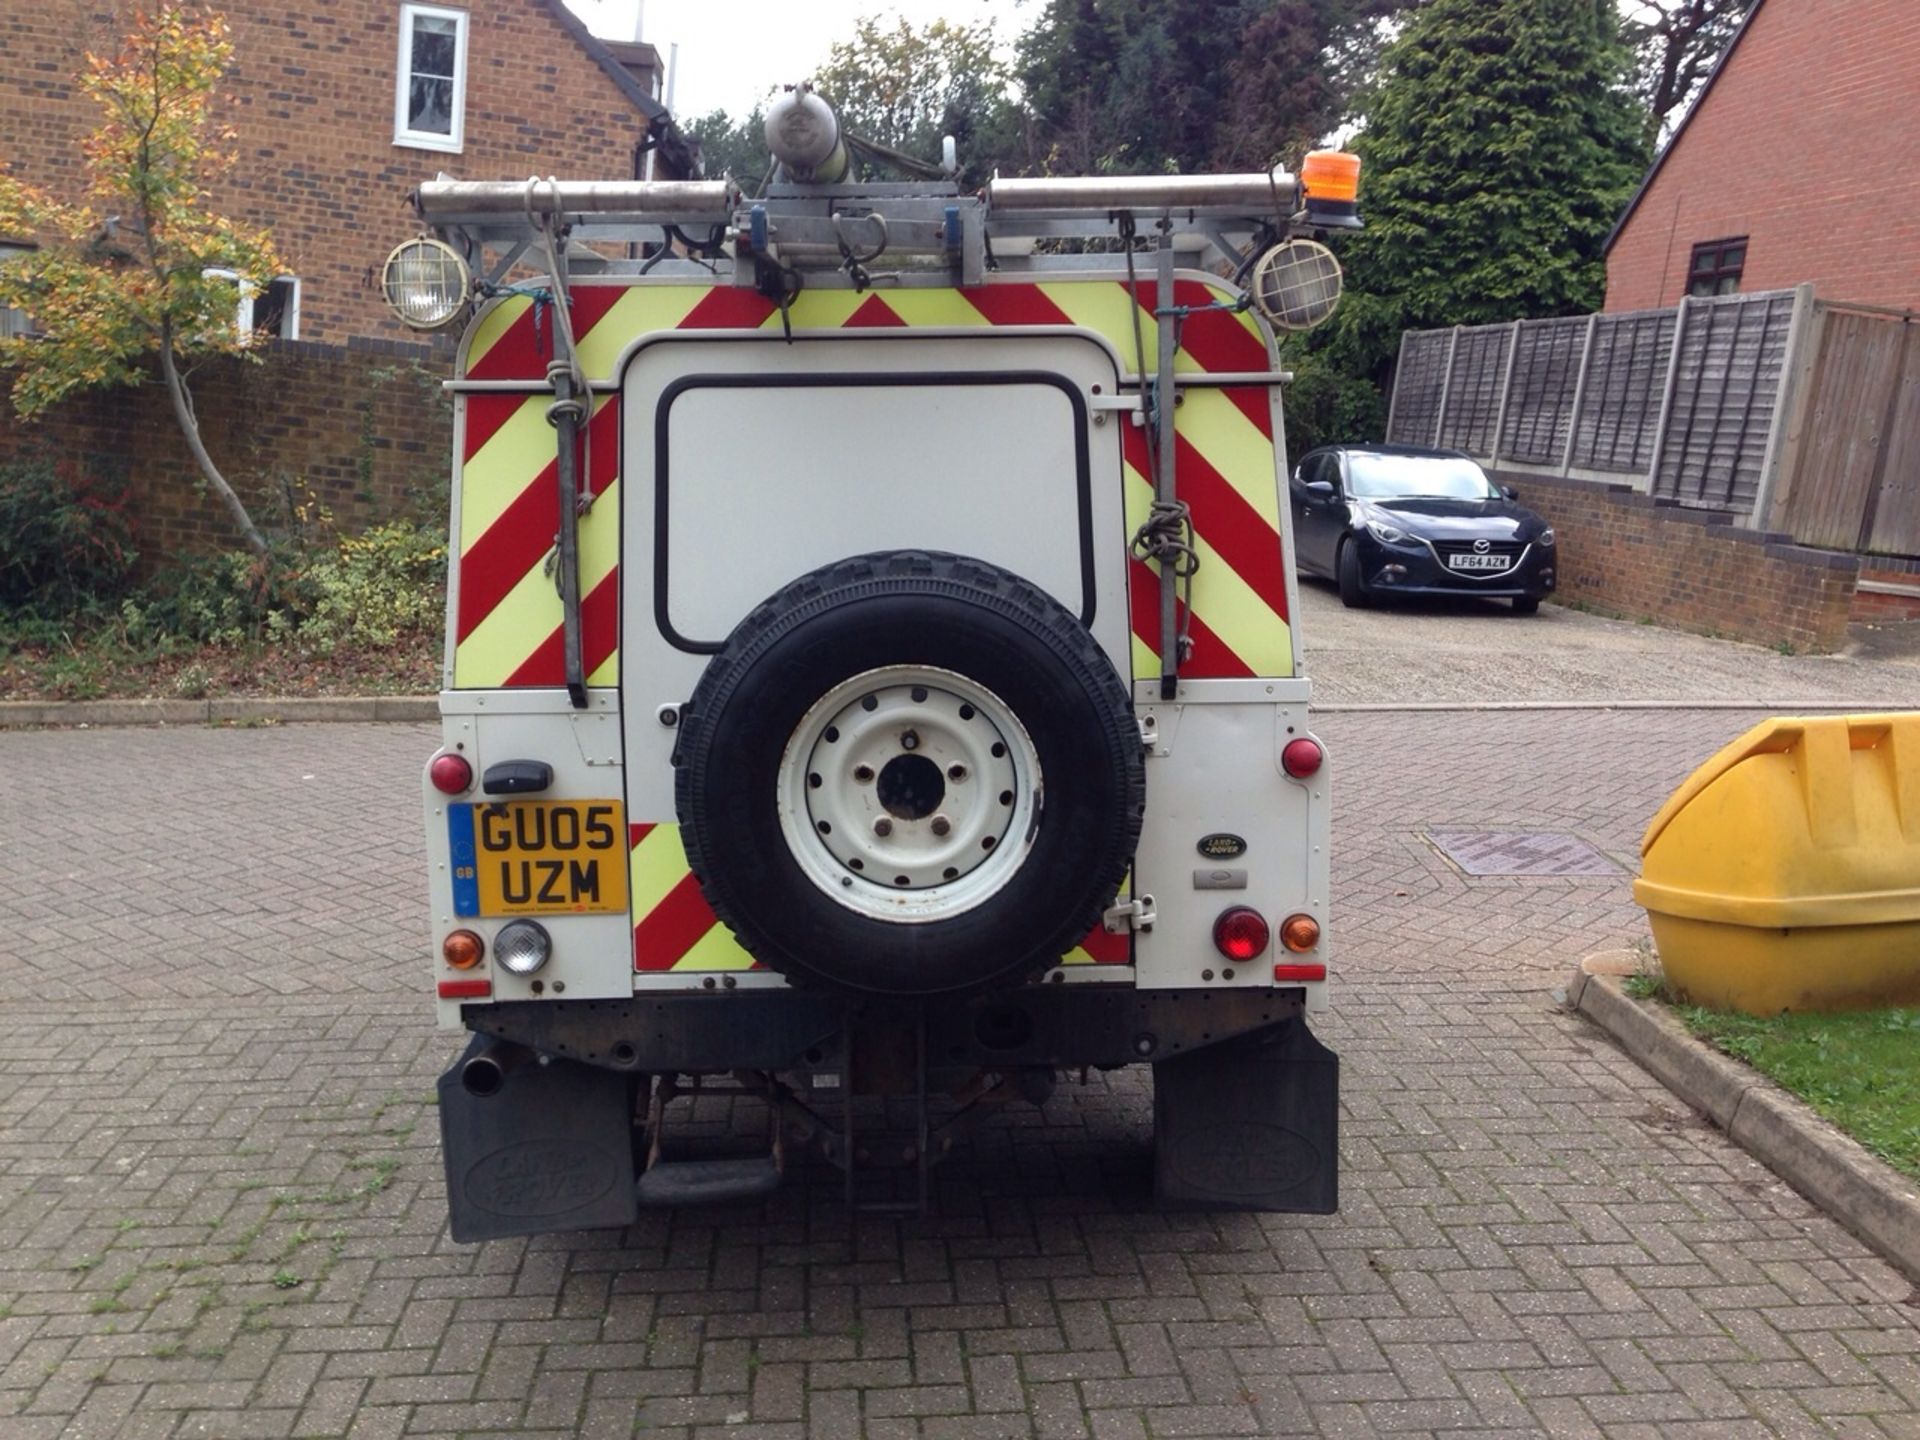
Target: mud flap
550,1148
1250,1124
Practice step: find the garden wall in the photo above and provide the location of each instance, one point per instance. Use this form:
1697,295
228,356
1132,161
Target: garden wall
1629,554
361,431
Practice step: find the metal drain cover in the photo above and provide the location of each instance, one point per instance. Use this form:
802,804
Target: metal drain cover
1521,852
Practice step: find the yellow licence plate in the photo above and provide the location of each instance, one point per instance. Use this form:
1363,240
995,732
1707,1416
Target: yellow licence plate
538,857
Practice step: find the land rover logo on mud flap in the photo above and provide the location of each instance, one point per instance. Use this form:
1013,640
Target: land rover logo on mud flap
540,1177
1222,846
1244,1159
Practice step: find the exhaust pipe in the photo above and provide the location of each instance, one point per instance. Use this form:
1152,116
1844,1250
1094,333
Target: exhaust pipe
485,1073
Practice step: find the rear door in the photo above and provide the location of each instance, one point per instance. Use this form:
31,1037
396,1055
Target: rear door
750,461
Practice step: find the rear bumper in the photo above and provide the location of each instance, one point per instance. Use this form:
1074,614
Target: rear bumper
1415,569
1063,1026
539,1132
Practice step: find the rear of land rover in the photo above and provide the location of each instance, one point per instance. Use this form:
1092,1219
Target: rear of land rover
886,774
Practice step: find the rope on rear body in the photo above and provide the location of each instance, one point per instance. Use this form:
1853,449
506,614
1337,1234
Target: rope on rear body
1165,537
551,229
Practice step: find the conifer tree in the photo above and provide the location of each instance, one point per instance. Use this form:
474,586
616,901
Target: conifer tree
1500,146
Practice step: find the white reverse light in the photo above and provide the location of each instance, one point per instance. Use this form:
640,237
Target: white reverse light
522,947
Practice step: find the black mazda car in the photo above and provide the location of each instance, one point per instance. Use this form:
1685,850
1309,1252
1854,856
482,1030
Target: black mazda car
1386,520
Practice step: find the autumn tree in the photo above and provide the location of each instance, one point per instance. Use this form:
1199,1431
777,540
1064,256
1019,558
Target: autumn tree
141,267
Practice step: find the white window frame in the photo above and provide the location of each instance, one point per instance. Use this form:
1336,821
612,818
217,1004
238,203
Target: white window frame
243,307
453,143
15,324
290,318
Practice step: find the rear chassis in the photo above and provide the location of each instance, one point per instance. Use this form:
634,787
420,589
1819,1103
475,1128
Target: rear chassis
550,1123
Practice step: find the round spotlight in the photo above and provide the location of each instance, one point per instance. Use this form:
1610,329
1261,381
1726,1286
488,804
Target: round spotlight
1296,285
425,283
523,947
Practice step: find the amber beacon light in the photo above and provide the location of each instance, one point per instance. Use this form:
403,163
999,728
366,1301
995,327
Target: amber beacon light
1330,180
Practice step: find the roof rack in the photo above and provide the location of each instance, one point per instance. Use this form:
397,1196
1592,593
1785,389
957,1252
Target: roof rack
822,228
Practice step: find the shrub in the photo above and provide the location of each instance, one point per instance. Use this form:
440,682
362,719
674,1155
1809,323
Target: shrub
375,588
224,599
66,545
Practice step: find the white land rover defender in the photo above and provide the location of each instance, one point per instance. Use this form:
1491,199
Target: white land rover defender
870,672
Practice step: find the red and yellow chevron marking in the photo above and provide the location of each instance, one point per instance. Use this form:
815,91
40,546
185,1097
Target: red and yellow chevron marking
507,615
673,926
675,929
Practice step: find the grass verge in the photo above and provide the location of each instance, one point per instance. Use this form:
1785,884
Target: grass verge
1859,1069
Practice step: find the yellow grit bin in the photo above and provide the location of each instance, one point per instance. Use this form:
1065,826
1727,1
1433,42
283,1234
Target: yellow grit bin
1785,873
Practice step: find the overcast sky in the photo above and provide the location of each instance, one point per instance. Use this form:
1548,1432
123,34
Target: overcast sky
731,55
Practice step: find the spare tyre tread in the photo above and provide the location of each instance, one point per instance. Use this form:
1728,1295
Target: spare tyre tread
961,577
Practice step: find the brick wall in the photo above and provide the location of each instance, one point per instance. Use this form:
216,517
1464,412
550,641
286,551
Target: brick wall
1806,143
311,98
1629,555
1889,590
370,436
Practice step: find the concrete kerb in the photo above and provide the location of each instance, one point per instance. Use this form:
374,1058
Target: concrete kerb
1867,1196
19,714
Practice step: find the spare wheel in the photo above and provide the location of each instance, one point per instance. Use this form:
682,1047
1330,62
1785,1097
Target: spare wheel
910,773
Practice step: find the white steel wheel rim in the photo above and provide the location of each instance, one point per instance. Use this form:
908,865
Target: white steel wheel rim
866,819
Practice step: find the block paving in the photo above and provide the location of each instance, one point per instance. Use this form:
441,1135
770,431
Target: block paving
221,1211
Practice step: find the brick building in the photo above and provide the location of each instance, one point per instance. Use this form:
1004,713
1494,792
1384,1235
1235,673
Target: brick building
1798,162
339,108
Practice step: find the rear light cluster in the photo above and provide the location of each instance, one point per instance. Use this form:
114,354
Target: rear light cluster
463,949
1241,935
450,773
1302,758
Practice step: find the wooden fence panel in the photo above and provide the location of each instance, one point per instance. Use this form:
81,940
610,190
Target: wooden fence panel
1619,417
1896,511
1418,381
1727,383
1473,395
1854,375
1546,375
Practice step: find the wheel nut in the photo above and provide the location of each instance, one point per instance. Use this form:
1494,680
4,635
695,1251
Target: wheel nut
910,740
941,825
956,772
883,826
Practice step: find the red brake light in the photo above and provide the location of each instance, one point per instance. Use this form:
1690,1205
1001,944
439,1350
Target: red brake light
450,774
1302,758
1241,934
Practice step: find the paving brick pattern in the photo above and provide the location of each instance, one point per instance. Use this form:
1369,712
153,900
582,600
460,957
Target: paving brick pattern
220,1205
